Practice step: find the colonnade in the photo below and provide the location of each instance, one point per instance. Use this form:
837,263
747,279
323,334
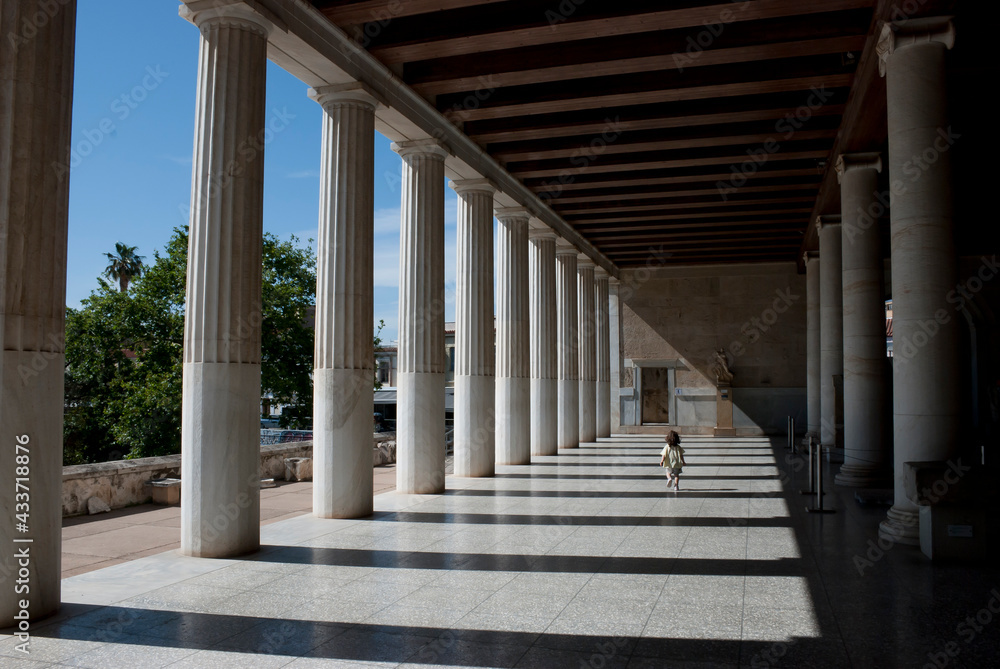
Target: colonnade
846,298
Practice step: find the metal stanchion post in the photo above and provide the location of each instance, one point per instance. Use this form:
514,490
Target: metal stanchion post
819,486
812,488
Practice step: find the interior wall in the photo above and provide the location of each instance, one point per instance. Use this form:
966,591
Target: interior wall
679,317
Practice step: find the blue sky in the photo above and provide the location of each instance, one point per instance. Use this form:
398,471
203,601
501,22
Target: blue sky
133,133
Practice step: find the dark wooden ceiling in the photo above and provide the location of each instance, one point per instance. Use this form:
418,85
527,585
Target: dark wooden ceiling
607,111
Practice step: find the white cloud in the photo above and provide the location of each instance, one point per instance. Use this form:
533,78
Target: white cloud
303,174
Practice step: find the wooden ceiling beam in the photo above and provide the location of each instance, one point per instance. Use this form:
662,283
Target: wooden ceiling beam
372,11
552,189
625,195
539,169
485,29
657,96
613,207
640,142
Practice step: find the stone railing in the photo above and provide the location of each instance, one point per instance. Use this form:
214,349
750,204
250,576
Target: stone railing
122,483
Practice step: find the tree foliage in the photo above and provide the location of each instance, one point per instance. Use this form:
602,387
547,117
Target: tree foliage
124,353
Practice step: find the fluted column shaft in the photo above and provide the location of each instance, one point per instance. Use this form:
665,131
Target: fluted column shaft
865,452
420,442
602,321
615,328
813,345
475,369
344,358
568,347
513,401
220,438
831,318
36,92
926,369
544,330
587,329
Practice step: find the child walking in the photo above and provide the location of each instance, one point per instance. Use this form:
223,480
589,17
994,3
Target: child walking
672,457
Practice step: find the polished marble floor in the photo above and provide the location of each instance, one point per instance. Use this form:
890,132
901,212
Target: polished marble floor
582,560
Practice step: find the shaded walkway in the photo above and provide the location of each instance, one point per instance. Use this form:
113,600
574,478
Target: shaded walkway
540,568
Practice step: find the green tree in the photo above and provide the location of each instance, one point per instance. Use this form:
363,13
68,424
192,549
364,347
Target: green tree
124,265
124,353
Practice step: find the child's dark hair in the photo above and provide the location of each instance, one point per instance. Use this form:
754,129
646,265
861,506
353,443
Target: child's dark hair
673,439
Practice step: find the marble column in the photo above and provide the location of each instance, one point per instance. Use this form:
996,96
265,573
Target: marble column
865,452
420,441
615,328
343,374
587,329
475,368
544,329
831,319
926,365
601,318
220,422
513,402
814,411
568,346
36,93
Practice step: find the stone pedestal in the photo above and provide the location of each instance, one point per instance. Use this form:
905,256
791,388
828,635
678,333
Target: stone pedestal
220,438
36,91
544,361
588,349
865,452
513,401
344,359
569,361
420,443
724,412
475,413
831,330
926,370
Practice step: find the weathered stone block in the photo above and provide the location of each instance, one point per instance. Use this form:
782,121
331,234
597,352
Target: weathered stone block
165,491
298,469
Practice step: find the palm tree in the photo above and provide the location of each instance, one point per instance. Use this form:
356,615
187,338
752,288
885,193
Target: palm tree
124,265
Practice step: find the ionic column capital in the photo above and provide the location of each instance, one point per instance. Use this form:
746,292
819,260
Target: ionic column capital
473,186
601,273
901,34
429,147
231,13
847,162
337,95
583,261
826,221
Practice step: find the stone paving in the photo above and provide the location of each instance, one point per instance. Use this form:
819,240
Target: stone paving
581,560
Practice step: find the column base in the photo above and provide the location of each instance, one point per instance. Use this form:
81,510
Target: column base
544,417
901,526
513,416
342,443
860,476
420,444
475,426
724,432
220,464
